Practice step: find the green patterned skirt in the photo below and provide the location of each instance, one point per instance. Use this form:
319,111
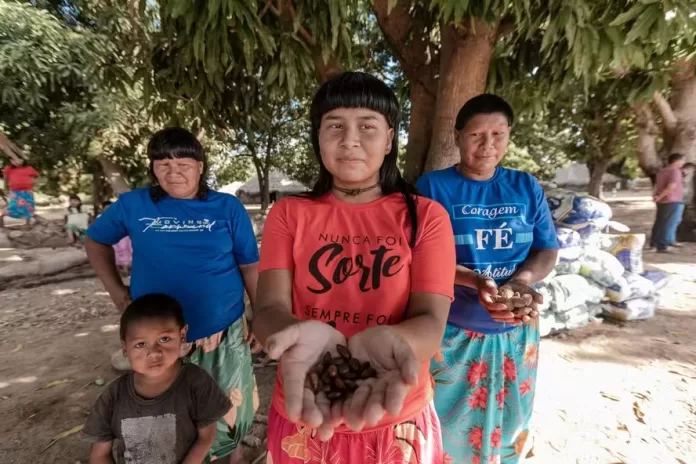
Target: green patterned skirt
226,357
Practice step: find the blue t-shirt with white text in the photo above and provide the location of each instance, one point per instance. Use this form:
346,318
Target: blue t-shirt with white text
188,249
496,224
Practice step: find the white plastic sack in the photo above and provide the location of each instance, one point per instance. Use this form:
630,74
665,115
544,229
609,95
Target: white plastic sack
628,249
568,291
601,267
577,317
569,267
658,278
546,323
569,244
632,310
581,212
629,287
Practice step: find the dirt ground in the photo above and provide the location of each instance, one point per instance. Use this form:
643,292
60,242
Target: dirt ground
608,393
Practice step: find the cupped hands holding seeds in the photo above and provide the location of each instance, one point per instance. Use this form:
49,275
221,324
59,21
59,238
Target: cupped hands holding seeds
329,381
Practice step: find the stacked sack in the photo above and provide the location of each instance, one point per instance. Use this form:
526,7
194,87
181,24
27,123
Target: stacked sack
593,267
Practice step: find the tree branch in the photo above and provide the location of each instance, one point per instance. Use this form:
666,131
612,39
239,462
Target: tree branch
505,27
304,33
408,40
12,151
669,120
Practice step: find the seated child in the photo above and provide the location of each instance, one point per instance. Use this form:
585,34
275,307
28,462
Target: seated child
123,250
163,411
76,222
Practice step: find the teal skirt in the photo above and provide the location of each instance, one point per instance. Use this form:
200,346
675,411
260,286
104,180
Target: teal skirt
21,204
484,393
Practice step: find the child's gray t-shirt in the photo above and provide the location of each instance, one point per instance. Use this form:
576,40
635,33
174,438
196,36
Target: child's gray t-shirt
159,430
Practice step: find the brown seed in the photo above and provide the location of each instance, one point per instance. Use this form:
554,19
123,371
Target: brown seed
338,360
368,373
350,376
343,369
527,299
344,352
506,292
332,370
319,368
326,388
365,365
334,395
339,383
327,358
313,381
354,365
351,386
325,378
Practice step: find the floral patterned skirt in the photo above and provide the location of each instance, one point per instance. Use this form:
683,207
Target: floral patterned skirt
484,393
417,441
21,204
227,358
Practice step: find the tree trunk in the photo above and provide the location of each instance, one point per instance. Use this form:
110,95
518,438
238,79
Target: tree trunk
325,70
465,56
683,103
648,158
597,171
115,176
97,192
12,151
684,141
265,189
407,33
420,131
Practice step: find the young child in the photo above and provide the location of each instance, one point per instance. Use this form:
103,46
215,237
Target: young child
76,222
163,411
123,250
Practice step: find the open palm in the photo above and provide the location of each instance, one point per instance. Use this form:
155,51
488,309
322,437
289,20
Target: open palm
397,371
299,347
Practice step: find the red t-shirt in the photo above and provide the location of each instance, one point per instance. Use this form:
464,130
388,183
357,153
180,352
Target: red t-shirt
353,266
20,177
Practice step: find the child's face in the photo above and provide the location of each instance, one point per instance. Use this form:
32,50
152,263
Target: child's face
152,346
74,202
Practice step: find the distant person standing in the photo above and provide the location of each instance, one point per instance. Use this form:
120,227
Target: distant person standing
19,180
669,197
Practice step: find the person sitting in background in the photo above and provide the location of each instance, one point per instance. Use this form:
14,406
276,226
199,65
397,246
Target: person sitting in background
19,181
76,221
669,197
164,410
123,250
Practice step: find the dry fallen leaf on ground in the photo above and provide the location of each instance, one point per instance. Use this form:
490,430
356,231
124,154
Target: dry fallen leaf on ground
55,383
610,397
62,435
638,412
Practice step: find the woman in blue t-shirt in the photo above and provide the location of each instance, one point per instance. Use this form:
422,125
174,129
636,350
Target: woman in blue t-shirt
504,234
198,246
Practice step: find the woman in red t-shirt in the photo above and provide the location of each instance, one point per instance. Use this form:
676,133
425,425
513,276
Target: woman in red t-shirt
362,261
19,180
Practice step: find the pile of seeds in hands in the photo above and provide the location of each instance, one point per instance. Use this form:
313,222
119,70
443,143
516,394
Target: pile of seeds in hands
338,376
520,305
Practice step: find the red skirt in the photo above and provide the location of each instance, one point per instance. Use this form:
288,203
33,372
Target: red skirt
417,441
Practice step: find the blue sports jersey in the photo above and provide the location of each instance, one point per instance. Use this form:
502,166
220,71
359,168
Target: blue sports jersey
496,224
188,249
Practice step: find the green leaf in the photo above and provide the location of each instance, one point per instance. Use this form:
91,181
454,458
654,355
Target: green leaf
641,28
629,15
272,74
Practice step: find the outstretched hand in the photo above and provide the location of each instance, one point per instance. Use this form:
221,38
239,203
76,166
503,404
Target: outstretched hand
298,347
487,291
397,372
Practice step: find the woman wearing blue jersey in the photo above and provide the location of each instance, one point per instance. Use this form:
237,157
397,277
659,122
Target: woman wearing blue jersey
198,246
504,234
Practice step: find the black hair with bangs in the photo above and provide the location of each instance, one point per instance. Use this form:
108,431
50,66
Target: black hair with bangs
361,90
486,103
175,142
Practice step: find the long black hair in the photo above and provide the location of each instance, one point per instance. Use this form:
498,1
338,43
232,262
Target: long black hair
175,142
361,90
